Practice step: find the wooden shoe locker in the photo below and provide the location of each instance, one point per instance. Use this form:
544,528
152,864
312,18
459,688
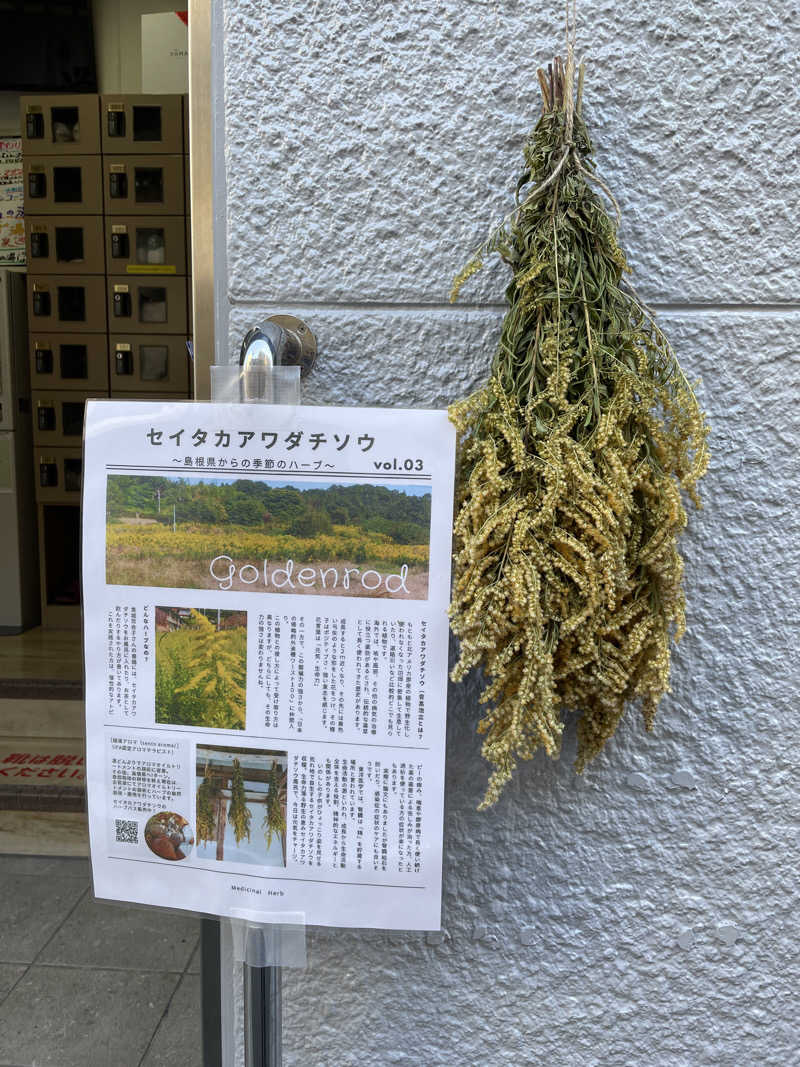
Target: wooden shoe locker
106,228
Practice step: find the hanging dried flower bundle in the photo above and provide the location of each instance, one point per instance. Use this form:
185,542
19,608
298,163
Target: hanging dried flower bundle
207,795
275,814
568,581
238,813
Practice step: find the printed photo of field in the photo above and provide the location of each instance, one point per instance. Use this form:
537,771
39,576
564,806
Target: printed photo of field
201,667
259,534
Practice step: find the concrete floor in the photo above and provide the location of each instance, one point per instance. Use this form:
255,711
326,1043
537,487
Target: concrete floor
84,984
38,724
40,653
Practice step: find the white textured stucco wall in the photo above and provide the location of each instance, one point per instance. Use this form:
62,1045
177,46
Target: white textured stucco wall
643,914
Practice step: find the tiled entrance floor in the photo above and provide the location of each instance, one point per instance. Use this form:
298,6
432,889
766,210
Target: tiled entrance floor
85,984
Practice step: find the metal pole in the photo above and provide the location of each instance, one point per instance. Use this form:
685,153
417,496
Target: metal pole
262,1016
282,340
210,993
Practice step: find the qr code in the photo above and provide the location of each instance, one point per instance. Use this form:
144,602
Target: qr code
127,831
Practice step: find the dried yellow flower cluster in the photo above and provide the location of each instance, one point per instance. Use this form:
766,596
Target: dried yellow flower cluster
568,581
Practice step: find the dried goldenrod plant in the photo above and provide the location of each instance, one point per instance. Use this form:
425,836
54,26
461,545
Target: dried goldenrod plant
568,580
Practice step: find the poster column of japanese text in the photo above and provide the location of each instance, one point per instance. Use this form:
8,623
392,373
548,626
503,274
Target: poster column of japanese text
12,226
265,593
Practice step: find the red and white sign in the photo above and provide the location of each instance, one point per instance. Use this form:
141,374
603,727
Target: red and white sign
165,52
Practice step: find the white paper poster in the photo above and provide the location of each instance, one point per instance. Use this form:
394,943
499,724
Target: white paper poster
265,613
12,226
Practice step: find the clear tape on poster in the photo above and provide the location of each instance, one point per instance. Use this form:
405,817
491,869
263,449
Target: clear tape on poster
230,384
279,943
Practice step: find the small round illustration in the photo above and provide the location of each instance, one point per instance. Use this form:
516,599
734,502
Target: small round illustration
168,835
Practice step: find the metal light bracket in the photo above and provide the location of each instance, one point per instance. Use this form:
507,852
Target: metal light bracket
280,341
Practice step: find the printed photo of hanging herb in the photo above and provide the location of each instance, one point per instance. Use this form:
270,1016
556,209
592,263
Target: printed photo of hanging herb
233,786
238,812
206,814
275,816
572,458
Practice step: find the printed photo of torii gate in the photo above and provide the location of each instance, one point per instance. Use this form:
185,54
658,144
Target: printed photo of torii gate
241,805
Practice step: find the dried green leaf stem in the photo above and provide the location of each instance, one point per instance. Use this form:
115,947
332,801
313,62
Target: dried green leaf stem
568,581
